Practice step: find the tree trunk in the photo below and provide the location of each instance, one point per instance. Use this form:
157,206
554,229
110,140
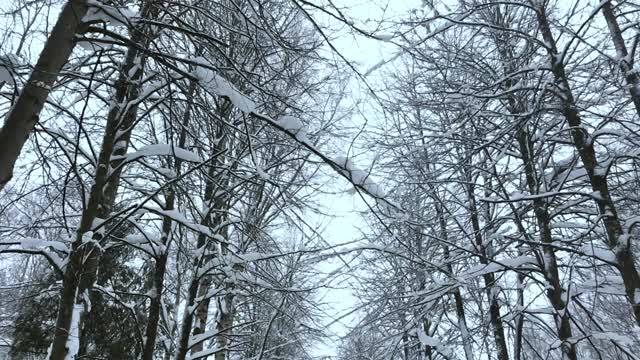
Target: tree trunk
624,61
224,323
517,341
554,290
194,284
155,307
81,271
196,290
457,296
619,240
202,313
405,346
160,268
223,314
187,320
489,278
23,116
192,304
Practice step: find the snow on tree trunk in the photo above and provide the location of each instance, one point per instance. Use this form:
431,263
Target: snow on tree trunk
81,272
625,62
491,286
555,291
618,238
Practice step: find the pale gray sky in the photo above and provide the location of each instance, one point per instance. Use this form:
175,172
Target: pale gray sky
364,53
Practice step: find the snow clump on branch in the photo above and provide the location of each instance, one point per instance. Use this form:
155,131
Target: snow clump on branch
359,177
222,87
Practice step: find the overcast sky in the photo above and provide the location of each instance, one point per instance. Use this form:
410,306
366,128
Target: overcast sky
363,53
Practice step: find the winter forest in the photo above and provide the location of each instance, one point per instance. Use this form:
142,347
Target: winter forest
320,179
